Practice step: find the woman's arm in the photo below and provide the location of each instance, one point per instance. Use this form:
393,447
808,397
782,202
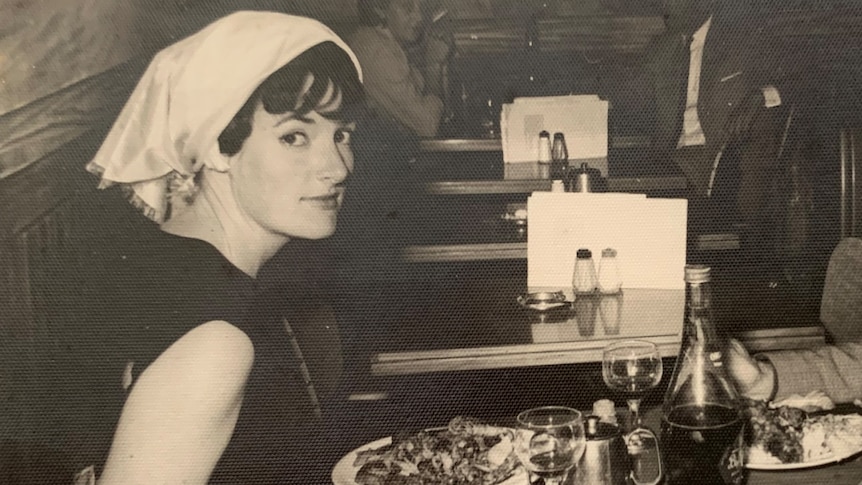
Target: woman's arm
181,413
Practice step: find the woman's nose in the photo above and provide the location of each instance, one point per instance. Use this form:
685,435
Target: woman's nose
337,163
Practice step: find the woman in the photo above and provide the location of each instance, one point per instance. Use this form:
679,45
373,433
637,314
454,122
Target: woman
235,140
397,90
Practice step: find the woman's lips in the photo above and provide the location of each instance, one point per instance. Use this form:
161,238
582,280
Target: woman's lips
326,202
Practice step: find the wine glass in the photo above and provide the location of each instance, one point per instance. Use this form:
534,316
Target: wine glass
549,441
632,367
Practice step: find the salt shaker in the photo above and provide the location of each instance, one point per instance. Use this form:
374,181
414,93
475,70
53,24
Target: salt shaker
584,279
544,147
557,186
610,280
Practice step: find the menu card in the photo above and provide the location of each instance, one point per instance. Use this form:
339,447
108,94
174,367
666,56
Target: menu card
648,234
582,119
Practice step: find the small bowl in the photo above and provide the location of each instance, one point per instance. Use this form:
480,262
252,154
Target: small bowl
543,301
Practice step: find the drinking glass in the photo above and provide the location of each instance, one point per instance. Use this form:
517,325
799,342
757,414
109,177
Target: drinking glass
549,441
632,367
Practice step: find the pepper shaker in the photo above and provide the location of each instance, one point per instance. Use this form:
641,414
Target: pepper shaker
584,278
559,156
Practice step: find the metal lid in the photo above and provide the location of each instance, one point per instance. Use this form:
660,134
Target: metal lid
558,135
697,273
544,134
586,169
584,254
609,253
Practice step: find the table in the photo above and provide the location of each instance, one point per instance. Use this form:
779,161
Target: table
470,170
492,331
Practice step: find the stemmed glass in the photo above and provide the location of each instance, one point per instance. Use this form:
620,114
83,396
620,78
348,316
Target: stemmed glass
549,441
632,367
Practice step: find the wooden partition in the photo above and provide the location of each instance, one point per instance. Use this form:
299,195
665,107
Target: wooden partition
49,204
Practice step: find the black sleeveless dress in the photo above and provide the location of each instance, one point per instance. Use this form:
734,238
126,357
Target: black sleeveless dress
124,301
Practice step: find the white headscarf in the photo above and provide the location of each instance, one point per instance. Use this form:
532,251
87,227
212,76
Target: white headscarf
188,95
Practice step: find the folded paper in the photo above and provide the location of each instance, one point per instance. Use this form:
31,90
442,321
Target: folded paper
583,119
648,234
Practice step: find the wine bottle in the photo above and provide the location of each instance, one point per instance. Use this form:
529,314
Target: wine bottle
702,422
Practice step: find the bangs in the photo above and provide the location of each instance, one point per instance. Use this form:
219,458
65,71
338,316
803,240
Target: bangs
321,79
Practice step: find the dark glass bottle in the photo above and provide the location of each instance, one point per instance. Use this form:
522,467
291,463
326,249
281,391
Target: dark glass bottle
559,157
702,422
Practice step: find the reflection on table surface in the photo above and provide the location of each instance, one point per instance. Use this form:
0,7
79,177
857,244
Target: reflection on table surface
634,313
491,330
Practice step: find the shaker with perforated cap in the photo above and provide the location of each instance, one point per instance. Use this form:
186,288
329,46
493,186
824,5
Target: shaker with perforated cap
610,279
544,147
584,276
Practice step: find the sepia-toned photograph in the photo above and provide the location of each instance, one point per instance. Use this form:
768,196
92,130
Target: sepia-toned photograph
430,242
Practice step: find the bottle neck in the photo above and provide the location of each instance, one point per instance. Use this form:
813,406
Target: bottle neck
698,295
699,323
700,377
700,329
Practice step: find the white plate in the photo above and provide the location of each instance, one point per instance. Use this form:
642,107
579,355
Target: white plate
344,471
806,464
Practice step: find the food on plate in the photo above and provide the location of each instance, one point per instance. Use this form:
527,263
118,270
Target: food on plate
467,452
775,433
784,434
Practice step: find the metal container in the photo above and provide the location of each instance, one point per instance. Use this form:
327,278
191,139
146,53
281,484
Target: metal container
585,179
605,460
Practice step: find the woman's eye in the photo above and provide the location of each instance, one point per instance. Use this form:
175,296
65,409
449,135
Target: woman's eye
295,138
343,136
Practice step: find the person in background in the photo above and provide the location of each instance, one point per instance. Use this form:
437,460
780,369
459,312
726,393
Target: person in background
409,94
235,141
836,370
719,80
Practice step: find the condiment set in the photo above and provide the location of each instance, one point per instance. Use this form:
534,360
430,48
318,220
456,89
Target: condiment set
555,155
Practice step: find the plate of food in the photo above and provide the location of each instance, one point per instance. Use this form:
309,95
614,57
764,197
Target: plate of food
784,437
465,452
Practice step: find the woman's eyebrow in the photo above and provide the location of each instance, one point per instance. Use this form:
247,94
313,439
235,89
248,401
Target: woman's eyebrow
294,116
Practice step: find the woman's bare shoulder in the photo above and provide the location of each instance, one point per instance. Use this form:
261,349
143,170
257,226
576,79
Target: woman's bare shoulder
191,394
213,351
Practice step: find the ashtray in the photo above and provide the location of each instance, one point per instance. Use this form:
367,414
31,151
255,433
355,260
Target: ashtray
543,301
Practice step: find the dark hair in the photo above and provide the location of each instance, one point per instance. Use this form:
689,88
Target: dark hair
367,13
284,91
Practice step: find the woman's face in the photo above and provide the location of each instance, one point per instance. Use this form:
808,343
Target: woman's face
288,175
404,19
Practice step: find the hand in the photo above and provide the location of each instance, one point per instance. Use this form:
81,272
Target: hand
742,118
754,378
